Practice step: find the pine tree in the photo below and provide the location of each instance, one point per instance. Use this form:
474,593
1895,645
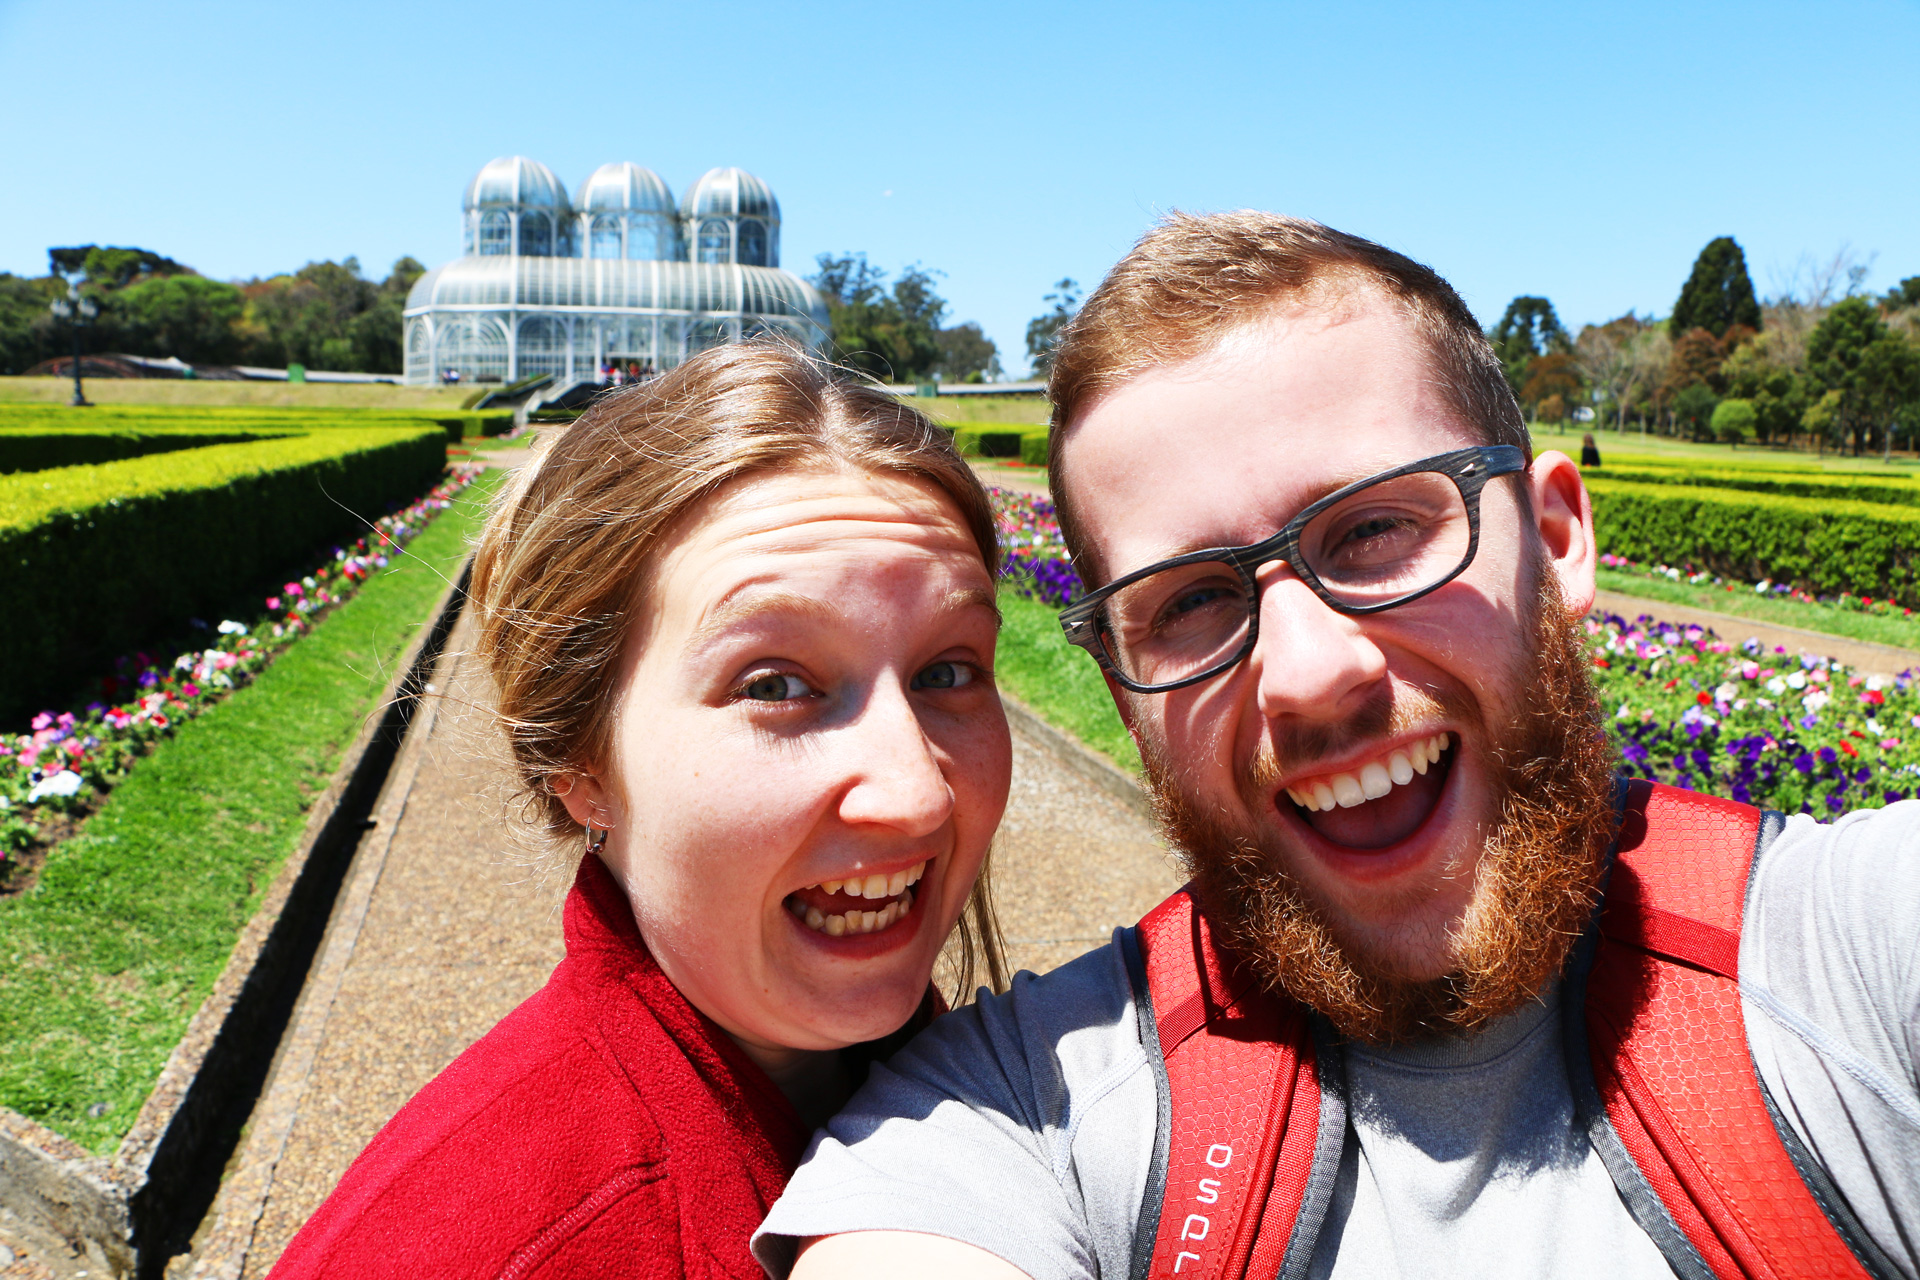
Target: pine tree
1718,294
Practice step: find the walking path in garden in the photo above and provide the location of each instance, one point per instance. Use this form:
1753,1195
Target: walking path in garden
440,931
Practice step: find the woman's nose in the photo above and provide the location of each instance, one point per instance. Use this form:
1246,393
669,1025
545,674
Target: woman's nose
895,777
1309,659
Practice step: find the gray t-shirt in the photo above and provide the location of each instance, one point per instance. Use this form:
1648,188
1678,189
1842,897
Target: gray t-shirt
1024,1124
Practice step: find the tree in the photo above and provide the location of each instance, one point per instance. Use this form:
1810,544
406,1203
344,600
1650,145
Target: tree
328,316
1889,377
891,335
1528,330
1903,295
111,268
186,316
1693,407
1555,375
1757,373
1718,294
1606,357
1043,331
967,354
1696,360
1733,421
1836,349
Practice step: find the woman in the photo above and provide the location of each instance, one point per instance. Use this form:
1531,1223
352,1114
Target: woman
742,623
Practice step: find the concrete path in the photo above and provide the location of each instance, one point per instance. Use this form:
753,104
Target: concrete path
440,932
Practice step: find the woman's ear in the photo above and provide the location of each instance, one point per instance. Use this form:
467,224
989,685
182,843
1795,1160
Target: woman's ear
586,800
1563,515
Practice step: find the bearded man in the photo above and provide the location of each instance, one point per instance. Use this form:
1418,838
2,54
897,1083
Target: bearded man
1443,997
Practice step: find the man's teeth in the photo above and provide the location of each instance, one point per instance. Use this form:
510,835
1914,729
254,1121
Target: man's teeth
1374,779
852,921
876,886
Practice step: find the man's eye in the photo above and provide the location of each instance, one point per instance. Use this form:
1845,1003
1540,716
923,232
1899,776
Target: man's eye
776,687
944,675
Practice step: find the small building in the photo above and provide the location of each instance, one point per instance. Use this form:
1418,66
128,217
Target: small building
617,274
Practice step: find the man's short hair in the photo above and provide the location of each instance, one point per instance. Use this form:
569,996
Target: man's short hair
1192,279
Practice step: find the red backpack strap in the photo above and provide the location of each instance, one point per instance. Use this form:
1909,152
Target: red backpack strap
1241,1136
1669,1052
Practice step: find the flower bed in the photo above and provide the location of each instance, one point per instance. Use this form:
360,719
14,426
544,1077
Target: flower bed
65,761
1799,733
1778,590
1034,558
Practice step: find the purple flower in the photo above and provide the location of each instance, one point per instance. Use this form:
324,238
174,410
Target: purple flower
1828,755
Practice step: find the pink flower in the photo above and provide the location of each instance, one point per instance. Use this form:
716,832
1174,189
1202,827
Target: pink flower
273,602
191,690
43,721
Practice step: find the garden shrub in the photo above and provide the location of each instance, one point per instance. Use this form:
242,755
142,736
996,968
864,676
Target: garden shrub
1824,485
1033,449
96,560
33,449
1822,545
993,440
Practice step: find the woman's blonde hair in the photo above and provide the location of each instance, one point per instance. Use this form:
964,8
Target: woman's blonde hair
561,569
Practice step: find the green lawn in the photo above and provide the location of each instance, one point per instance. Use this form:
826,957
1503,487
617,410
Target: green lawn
967,410
1036,665
103,963
1622,450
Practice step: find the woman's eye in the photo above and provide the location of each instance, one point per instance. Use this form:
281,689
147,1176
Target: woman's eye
944,675
776,687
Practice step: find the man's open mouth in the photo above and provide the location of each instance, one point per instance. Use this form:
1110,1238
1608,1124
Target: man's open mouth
1381,802
860,904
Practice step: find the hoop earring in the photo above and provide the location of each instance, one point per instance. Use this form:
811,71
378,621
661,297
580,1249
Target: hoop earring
596,838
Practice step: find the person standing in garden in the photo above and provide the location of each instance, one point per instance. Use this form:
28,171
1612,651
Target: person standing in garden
1443,996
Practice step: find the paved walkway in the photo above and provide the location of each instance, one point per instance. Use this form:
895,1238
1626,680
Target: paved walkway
440,932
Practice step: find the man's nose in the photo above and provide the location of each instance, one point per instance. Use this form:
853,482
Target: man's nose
1310,660
894,774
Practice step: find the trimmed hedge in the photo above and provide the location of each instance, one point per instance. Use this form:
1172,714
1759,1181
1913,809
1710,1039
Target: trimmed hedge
1826,486
1033,449
1824,545
992,440
97,560
38,449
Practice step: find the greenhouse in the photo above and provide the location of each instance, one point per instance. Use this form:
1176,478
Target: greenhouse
618,275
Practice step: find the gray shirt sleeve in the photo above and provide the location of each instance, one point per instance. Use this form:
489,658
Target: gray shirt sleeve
1022,1124
1830,979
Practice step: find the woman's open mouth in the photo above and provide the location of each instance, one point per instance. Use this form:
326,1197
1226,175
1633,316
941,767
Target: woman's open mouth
862,904
1379,803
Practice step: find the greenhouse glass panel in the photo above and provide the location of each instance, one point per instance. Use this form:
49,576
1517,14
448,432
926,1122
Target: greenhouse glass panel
606,237
536,235
753,243
713,241
475,346
496,233
542,346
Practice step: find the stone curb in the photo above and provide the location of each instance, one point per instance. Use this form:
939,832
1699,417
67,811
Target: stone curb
128,1214
1079,757
226,1238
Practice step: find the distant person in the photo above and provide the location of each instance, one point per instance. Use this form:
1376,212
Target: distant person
1589,451
742,626
451,376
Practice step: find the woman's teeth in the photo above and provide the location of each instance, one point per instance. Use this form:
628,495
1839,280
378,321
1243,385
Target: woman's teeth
896,887
851,921
1373,780
876,886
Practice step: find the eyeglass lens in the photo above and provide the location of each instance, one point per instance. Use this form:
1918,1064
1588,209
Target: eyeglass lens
1388,541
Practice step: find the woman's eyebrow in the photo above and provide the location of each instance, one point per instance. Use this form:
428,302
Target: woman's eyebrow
750,603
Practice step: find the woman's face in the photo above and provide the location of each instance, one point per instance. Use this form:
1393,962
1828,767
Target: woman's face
809,756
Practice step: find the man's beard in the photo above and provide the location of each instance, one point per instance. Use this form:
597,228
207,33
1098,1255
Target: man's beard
1550,770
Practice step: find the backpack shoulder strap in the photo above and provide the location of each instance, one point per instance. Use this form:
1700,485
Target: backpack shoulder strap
1241,1115
1669,1052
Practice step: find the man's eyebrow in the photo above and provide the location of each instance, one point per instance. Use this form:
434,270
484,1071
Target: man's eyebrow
1313,495
743,605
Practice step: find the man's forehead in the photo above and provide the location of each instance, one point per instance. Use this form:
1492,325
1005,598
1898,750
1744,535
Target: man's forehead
1222,447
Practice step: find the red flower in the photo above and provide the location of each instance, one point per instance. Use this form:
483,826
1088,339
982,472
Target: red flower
1669,684
1600,661
1848,748
1704,698
1874,697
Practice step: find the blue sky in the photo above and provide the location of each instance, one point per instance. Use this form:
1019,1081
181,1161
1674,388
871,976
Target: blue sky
1581,152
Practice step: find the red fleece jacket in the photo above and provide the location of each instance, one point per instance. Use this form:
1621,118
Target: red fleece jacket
604,1128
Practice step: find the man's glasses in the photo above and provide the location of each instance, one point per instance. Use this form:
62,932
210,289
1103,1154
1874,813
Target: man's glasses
1371,546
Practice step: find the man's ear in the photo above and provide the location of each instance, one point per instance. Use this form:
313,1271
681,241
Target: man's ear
1563,516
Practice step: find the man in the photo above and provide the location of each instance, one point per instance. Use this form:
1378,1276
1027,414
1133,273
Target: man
1443,1000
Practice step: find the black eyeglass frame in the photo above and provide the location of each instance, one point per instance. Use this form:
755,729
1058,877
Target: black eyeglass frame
1469,469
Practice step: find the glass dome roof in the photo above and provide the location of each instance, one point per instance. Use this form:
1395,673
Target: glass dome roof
623,187
617,284
730,193
516,181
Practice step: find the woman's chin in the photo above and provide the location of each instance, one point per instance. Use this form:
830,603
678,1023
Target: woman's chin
863,986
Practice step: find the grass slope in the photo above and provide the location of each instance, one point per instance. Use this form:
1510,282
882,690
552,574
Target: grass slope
1036,665
105,961
967,410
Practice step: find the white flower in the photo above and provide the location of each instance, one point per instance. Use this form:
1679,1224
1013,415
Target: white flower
185,661
1873,727
1875,683
232,628
1623,713
1725,693
1777,686
1815,700
64,783
1763,586
1798,680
